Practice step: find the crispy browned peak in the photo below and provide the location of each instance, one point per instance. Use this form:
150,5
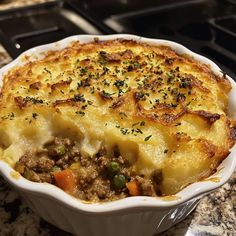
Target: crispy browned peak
136,80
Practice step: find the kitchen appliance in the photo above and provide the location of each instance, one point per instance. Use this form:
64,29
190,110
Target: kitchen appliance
207,27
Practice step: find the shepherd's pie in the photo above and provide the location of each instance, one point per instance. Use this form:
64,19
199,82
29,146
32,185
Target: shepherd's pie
111,119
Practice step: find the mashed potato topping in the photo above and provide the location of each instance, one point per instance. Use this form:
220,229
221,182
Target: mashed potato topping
164,112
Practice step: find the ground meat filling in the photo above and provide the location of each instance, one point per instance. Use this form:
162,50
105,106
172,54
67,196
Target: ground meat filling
98,178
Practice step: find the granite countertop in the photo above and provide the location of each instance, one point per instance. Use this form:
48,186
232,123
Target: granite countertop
214,215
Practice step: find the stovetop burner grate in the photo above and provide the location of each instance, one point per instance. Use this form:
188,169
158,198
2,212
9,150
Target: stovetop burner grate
207,27
28,27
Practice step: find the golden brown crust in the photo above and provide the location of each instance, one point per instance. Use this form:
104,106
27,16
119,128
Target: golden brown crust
147,98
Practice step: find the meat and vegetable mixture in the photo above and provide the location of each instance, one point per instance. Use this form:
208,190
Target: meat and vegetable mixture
97,178
165,112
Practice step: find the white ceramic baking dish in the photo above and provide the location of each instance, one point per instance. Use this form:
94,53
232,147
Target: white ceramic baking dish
133,216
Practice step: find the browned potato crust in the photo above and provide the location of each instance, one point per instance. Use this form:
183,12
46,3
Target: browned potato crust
163,110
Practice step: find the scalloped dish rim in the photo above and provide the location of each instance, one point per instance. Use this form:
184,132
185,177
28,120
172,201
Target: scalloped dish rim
223,173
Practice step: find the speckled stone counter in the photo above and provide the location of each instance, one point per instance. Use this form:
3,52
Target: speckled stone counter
214,215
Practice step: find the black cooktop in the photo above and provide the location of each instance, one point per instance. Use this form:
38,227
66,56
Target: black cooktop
26,27
205,26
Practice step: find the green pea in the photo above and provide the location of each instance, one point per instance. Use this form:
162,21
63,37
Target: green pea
113,167
31,175
56,168
119,181
28,173
60,149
